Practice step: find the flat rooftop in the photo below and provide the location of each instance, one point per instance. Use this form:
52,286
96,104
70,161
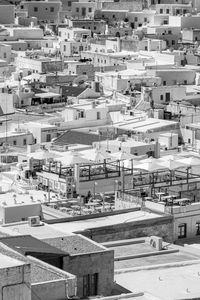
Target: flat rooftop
39,232
105,221
8,262
148,261
75,244
178,282
39,271
144,125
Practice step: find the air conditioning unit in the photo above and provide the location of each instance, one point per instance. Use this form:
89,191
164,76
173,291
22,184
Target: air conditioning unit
65,148
156,242
34,221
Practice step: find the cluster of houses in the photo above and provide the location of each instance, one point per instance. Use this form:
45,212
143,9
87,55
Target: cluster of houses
99,149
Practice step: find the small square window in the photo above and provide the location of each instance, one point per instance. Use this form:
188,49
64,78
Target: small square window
89,9
161,97
35,9
51,9
77,9
69,3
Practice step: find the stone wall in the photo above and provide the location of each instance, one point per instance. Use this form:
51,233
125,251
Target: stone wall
15,283
52,290
161,226
134,5
100,262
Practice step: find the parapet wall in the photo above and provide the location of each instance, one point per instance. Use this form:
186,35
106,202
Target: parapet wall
161,226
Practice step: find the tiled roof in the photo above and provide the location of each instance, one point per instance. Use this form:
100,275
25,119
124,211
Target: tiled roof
72,91
76,137
26,245
75,244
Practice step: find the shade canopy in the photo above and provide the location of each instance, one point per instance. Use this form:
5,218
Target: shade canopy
191,161
96,155
42,155
149,166
173,164
72,158
121,155
169,157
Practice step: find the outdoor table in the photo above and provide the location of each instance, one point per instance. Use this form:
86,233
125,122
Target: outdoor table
159,194
86,210
167,197
72,201
181,200
76,207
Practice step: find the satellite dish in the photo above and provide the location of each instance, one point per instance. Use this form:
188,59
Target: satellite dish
80,80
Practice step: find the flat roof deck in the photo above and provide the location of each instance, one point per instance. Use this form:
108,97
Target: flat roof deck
154,260
105,221
39,232
8,262
132,249
166,283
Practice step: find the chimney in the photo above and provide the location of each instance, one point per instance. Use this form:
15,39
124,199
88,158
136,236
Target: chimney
149,44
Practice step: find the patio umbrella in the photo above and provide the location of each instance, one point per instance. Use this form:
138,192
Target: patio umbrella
121,155
150,160
168,157
191,161
96,155
173,164
41,155
73,158
149,166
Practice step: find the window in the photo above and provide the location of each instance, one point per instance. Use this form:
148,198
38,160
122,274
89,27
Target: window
95,27
24,142
198,228
35,9
77,9
182,230
48,137
14,143
145,20
185,82
113,16
98,115
51,9
164,82
4,55
136,19
161,11
90,285
161,97
64,48
89,9
69,3
169,32
167,10
173,42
